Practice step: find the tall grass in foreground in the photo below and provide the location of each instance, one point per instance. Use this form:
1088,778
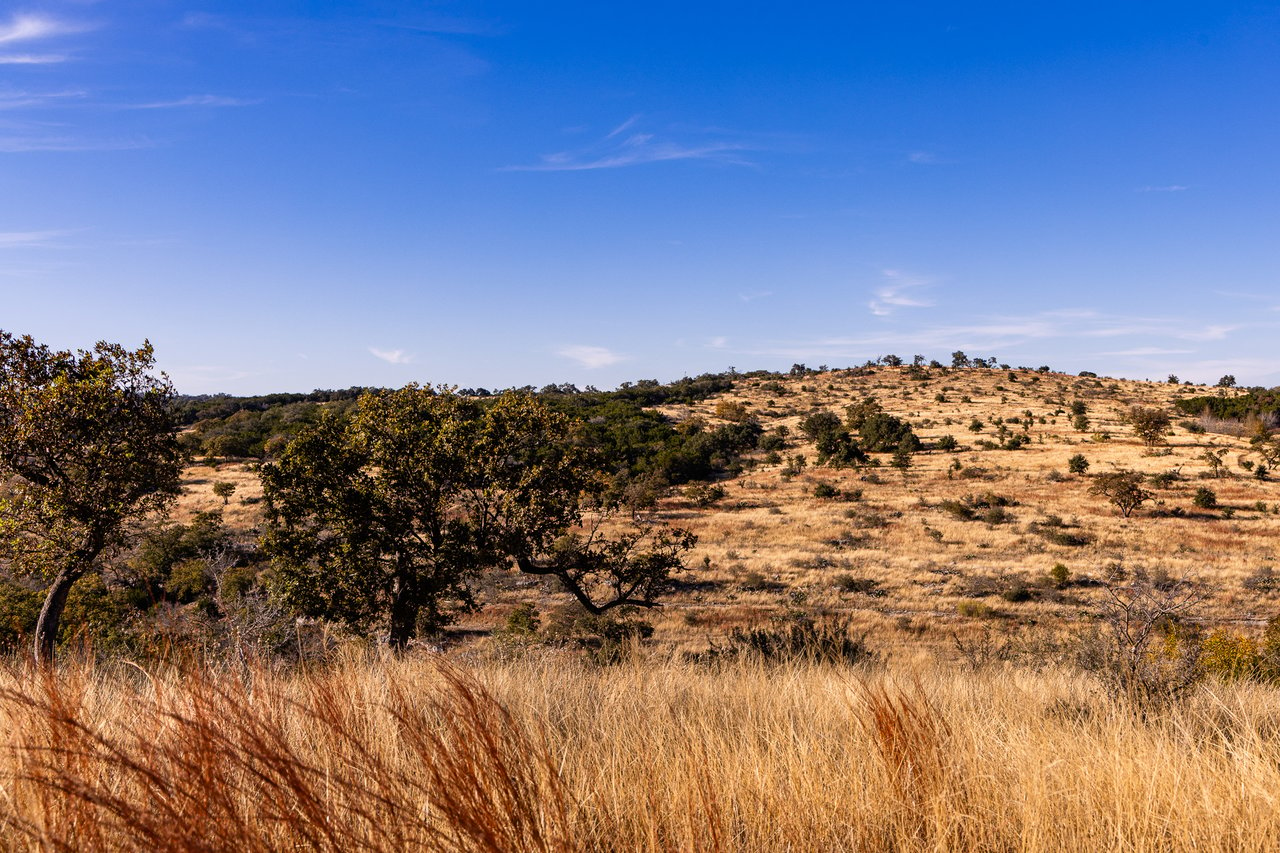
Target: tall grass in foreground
551,754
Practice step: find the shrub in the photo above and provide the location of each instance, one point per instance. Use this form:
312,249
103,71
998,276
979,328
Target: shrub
733,411
703,495
975,610
1077,464
1060,575
805,640
947,443
825,490
846,582
1205,498
1146,656
1232,657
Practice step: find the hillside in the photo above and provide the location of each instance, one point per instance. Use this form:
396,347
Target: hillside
966,538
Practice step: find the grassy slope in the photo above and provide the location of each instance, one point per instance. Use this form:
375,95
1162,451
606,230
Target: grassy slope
770,545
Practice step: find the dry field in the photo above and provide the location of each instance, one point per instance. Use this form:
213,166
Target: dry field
934,743
549,754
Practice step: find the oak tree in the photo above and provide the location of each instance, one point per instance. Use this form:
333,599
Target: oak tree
88,448
389,516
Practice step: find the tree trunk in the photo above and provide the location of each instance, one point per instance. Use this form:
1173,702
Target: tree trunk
404,615
51,615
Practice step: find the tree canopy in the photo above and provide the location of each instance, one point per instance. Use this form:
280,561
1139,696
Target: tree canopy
87,448
391,514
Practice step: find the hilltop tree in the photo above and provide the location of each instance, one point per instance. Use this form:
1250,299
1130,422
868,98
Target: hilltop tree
88,446
391,515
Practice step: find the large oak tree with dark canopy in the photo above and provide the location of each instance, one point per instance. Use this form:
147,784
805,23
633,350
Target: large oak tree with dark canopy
88,449
389,516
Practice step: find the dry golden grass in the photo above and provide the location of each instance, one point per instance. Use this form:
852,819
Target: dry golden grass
549,754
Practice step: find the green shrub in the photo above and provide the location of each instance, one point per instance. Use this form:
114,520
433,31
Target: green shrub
825,490
1205,498
1060,575
1232,657
1077,464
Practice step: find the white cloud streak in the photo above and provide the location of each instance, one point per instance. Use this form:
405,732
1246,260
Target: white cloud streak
590,357
197,101
391,356
620,148
29,239
894,294
29,27
32,58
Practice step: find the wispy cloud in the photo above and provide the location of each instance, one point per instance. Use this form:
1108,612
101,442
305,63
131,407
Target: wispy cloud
391,356
621,147
894,293
1171,188
32,58
31,27
590,357
1140,351
197,101
718,342
29,239
15,99
21,144
752,296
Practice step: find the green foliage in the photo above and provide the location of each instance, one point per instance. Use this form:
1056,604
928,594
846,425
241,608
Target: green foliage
1123,489
947,443
1077,464
389,516
19,609
88,446
1060,575
1232,657
884,433
1239,407
224,490
704,495
1149,424
835,446
1205,498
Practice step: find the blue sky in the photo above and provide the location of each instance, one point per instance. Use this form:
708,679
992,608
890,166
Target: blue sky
287,195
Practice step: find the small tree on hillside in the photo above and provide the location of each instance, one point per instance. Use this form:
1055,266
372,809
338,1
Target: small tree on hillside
1151,425
89,447
1123,489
